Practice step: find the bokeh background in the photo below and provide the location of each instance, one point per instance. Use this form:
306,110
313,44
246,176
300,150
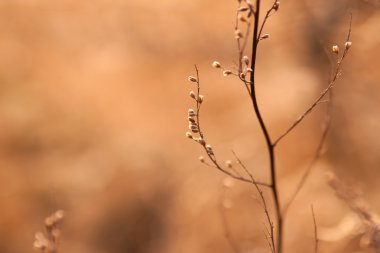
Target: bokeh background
93,103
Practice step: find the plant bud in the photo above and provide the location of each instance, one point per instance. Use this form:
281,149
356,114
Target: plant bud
216,64
245,60
347,45
242,18
227,72
192,79
265,36
191,113
201,141
192,94
200,99
335,49
238,34
201,159
189,135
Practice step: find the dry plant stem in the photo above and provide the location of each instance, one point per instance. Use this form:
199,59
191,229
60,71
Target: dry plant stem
265,207
318,154
212,156
315,231
324,92
270,146
319,151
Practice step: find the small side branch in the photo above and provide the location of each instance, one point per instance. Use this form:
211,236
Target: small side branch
264,204
336,76
316,241
195,128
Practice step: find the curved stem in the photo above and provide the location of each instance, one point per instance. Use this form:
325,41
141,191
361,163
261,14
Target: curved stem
270,146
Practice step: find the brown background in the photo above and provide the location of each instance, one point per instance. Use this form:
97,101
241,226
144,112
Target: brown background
93,102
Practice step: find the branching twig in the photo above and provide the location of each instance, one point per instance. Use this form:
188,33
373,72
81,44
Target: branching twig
336,76
195,127
265,207
326,127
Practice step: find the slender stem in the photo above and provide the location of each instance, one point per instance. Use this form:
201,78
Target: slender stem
264,129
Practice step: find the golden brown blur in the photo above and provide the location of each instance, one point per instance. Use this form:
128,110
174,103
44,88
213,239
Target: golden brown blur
93,115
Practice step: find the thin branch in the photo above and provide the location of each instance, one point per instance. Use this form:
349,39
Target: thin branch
318,154
265,207
336,76
315,231
267,15
210,153
270,146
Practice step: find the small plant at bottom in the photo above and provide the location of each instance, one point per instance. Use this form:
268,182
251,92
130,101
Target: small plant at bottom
49,242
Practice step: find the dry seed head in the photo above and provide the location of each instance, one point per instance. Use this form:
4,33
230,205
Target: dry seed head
192,94
347,45
335,49
200,99
242,75
189,135
191,119
245,60
201,159
192,79
227,72
242,18
216,64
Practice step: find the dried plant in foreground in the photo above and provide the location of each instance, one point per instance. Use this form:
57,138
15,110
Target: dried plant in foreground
369,220
248,20
48,243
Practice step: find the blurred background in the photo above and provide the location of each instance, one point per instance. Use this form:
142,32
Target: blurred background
93,111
